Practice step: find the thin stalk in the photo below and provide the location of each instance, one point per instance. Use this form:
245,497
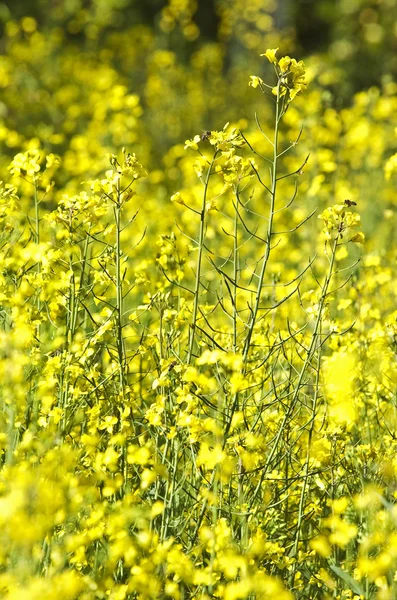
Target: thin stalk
306,479
37,241
119,292
254,313
199,261
70,319
269,230
202,512
235,273
303,370
214,512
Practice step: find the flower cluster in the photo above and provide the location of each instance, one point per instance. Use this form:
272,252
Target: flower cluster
195,402
291,75
340,223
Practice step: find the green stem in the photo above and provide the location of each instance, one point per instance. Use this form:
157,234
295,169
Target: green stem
269,231
199,260
37,241
254,314
303,370
119,292
235,273
306,477
36,214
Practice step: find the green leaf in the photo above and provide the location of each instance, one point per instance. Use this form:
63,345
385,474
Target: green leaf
353,584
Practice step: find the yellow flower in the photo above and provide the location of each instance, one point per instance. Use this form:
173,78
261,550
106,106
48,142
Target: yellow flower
193,143
339,222
342,532
321,546
358,238
271,55
390,166
26,164
209,457
255,81
284,63
291,77
177,198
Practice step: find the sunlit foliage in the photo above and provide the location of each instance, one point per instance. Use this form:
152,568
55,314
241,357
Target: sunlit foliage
197,300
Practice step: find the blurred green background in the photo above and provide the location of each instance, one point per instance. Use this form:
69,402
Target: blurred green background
358,35
81,78
169,51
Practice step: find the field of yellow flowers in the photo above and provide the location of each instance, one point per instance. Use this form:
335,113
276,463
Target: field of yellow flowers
198,342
